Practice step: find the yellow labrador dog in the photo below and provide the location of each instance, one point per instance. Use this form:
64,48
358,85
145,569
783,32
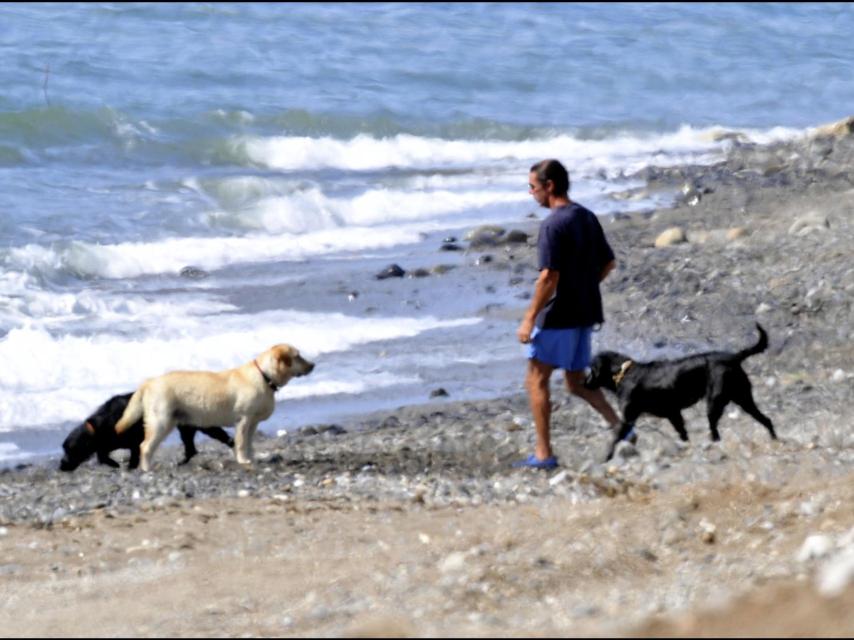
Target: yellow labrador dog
242,397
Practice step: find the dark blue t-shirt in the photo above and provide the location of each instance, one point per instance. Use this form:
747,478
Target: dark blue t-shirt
573,243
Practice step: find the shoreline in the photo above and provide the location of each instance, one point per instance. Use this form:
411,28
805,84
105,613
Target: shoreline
352,528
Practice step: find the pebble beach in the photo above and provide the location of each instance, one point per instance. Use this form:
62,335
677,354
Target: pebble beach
412,522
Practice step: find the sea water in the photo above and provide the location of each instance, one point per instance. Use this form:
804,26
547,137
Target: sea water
288,152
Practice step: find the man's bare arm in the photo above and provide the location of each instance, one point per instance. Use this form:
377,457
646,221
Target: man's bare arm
608,269
544,290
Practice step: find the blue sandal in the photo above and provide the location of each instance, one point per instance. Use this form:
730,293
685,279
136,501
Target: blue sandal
631,437
533,462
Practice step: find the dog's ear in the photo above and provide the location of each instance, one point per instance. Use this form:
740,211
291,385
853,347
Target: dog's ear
283,356
608,360
280,355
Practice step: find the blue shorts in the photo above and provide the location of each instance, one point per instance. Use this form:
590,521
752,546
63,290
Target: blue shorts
567,349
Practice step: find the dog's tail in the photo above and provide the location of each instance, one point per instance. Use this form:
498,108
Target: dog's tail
759,347
133,412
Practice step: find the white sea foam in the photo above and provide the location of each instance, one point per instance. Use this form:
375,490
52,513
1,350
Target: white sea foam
10,452
38,308
75,403
320,385
765,136
170,255
51,378
284,218
360,153
302,224
312,211
299,226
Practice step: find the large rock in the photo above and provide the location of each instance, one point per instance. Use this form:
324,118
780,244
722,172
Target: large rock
812,221
391,271
671,236
485,236
193,273
691,194
441,269
719,236
840,129
515,236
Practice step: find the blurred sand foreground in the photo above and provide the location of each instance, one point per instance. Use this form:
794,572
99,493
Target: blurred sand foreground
234,567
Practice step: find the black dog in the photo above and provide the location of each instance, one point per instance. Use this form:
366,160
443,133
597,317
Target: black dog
98,435
664,388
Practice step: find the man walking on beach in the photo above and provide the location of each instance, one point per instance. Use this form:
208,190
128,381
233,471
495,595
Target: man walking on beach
574,257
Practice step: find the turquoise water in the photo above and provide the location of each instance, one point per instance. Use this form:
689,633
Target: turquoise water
266,143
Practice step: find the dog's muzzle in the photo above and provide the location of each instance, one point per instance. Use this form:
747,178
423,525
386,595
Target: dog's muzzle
622,373
67,465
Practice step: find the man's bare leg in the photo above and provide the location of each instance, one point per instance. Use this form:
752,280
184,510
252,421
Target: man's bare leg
537,383
594,397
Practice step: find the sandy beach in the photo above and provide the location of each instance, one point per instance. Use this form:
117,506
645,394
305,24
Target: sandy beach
411,522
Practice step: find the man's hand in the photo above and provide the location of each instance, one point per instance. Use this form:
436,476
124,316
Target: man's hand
526,327
544,290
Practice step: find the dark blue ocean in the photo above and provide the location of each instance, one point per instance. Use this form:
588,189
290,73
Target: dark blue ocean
292,147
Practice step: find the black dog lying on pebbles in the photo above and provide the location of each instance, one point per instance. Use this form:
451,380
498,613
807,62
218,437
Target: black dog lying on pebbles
97,435
664,387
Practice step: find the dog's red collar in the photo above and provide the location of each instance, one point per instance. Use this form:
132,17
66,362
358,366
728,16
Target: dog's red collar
88,426
622,374
267,378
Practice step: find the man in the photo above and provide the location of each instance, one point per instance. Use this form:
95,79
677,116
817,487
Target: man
574,257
